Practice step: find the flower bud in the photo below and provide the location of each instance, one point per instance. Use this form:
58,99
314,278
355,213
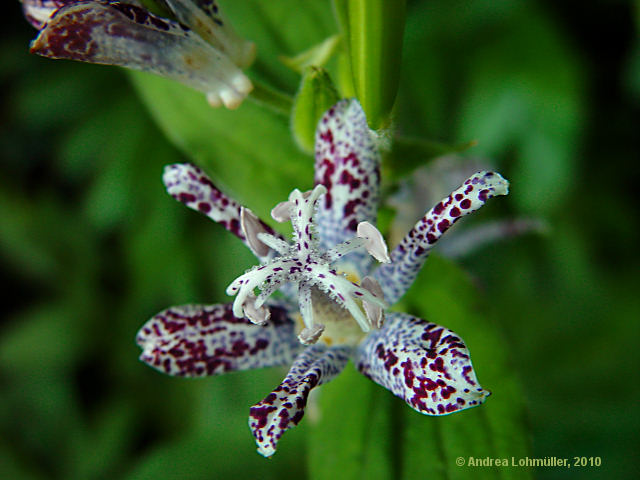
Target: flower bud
375,35
315,96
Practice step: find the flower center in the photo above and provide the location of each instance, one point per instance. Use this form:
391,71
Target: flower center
329,301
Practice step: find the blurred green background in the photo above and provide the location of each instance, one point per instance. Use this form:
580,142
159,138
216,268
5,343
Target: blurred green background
91,246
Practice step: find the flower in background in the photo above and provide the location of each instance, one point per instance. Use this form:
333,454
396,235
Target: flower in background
333,292
199,48
429,183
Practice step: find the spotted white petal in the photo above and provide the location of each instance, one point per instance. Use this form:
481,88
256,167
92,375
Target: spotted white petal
409,256
347,163
283,408
201,340
425,364
190,185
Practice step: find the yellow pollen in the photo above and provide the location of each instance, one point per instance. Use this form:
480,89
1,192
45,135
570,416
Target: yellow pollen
352,277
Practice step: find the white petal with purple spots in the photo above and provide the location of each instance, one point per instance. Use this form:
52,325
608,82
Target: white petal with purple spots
408,257
425,364
283,408
190,185
202,340
347,163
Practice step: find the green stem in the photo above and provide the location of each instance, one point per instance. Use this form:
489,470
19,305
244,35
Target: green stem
277,101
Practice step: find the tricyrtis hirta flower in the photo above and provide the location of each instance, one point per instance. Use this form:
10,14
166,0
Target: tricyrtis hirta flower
198,48
334,290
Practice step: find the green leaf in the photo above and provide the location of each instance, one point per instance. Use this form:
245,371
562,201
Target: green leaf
316,95
248,152
363,431
352,437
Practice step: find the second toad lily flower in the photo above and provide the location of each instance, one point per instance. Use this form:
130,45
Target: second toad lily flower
334,292
199,48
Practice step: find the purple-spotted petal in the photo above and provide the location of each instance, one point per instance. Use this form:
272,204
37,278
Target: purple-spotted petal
190,185
409,256
283,408
129,36
201,340
423,363
347,163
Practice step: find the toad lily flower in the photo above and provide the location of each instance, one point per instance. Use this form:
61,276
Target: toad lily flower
199,48
334,292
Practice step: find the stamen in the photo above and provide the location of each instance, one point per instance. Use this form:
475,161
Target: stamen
374,242
309,336
258,315
306,306
252,229
282,212
374,312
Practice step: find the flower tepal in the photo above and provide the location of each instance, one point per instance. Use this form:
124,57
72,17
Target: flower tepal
199,48
306,265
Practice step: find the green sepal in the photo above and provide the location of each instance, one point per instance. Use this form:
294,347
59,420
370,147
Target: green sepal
315,96
375,32
316,56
